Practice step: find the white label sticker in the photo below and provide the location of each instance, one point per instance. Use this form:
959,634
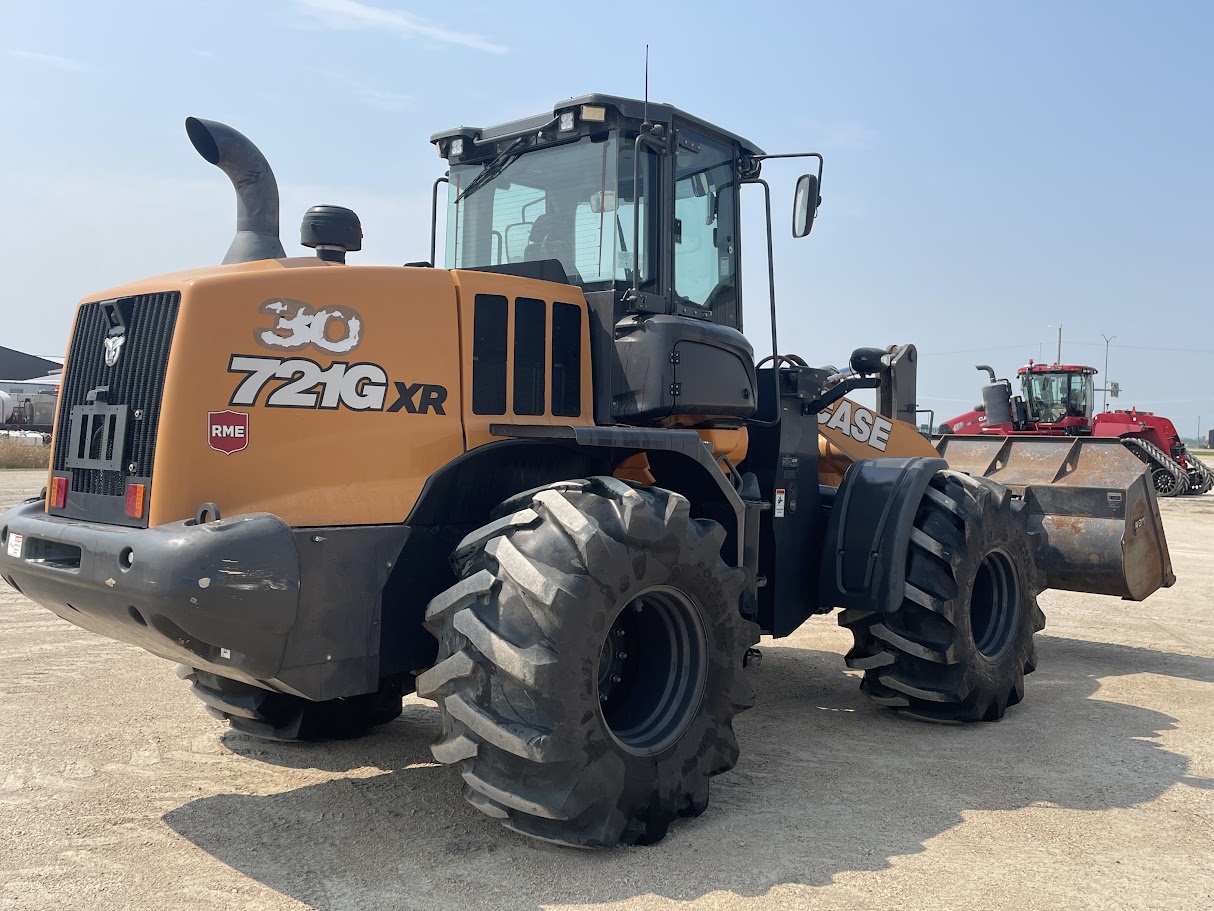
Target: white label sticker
225,653
624,259
14,545
779,503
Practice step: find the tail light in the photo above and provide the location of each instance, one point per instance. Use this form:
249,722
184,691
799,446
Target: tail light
136,494
59,488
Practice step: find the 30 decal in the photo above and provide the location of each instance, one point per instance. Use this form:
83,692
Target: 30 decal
297,325
301,383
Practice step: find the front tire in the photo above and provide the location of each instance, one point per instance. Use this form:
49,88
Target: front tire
590,663
959,645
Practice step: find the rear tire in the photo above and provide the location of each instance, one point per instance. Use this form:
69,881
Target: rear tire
590,663
282,717
958,646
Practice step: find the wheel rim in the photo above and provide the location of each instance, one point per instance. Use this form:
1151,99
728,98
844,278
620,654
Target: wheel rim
1165,481
994,605
651,670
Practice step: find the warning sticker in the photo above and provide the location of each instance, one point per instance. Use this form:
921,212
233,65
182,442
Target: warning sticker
780,498
14,545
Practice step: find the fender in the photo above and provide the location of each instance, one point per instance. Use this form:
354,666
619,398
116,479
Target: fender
867,535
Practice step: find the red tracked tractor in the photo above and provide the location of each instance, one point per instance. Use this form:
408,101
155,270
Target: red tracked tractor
1057,400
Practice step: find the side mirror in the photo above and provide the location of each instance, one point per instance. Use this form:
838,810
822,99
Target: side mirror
805,205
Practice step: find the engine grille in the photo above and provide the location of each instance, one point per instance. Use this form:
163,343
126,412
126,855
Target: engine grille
136,380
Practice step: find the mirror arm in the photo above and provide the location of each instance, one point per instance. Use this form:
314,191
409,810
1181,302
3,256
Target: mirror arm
817,155
771,290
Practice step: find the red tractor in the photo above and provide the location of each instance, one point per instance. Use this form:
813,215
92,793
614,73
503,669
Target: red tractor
1057,400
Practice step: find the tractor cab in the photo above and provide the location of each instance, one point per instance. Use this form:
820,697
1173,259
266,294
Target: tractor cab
637,205
1058,394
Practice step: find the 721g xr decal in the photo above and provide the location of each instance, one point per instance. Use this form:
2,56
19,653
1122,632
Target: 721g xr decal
306,384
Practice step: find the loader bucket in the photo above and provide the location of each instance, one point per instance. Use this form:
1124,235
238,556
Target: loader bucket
1090,499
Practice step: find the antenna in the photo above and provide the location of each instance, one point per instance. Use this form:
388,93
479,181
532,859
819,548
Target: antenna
645,122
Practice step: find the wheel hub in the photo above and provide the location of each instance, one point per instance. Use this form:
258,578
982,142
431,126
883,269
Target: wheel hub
1165,482
652,669
995,605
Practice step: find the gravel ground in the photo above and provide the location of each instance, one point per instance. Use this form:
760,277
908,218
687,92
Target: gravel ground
117,791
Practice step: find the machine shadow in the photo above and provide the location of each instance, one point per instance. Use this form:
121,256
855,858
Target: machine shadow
865,785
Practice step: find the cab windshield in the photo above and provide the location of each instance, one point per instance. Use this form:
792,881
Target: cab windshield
571,203
1054,396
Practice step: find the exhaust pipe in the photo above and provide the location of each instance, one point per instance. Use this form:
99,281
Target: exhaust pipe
256,190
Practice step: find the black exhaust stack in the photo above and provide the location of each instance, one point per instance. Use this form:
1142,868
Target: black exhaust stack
256,190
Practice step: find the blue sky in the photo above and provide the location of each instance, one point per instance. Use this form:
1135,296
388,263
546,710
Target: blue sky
992,170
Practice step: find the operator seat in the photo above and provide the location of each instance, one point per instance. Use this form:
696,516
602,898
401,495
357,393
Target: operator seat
550,238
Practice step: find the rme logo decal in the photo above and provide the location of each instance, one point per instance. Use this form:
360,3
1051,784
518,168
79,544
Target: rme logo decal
228,431
859,423
300,383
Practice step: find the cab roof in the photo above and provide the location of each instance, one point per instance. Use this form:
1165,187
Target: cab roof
629,109
1056,368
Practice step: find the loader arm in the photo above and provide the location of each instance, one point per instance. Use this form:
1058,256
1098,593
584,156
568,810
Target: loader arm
1093,510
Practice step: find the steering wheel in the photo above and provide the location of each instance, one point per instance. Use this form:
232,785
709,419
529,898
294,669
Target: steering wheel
792,360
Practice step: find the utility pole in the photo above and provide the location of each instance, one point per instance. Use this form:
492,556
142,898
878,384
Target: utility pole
1107,339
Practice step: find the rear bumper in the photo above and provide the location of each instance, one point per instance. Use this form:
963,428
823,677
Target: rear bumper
247,598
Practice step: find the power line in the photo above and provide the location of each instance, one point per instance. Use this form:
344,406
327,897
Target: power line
1149,348
977,350
1066,344
1069,343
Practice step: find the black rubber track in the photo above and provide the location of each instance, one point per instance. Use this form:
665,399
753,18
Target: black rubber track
1200,477
958,646
1168,477
1207,484
282,717
520,643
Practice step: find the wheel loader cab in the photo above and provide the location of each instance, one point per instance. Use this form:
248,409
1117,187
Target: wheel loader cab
638,207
